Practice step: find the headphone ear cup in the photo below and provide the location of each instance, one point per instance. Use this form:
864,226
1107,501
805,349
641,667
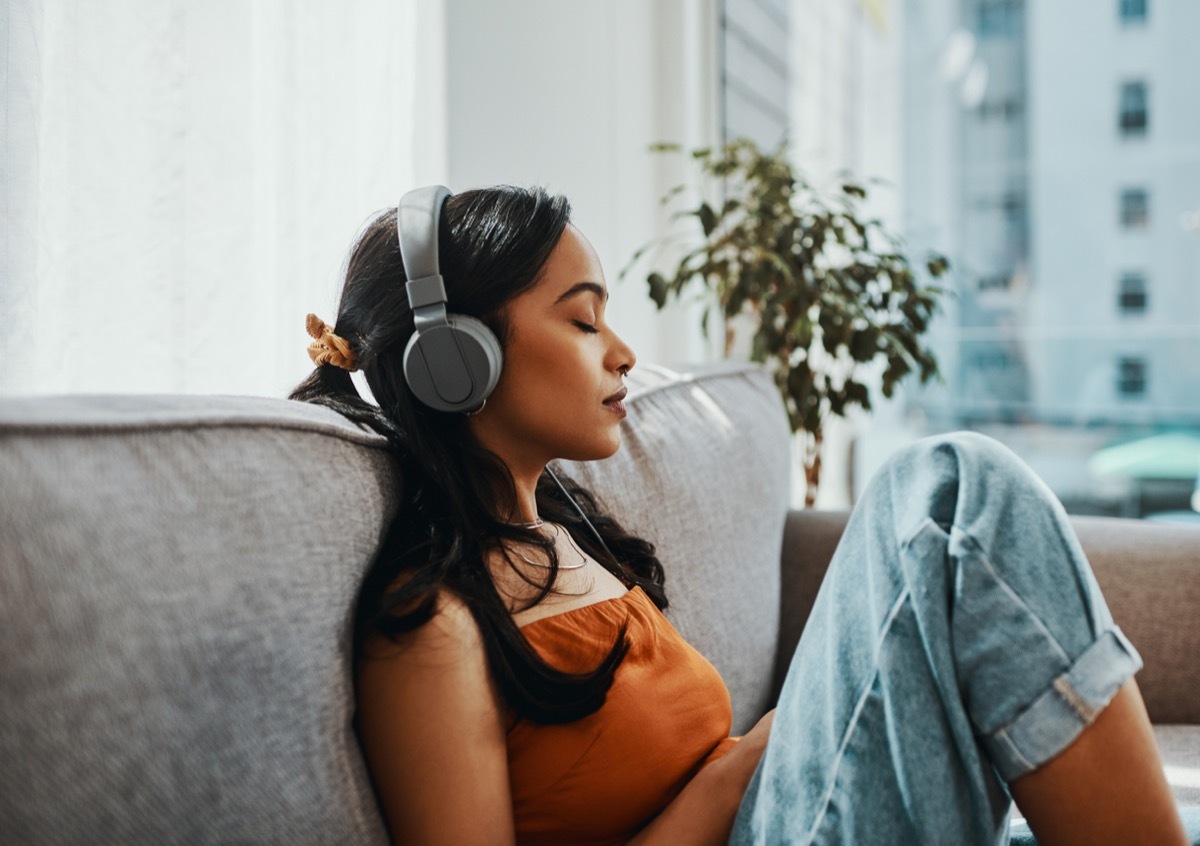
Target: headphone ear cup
453,367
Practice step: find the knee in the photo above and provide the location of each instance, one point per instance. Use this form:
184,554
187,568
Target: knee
954,476
956,453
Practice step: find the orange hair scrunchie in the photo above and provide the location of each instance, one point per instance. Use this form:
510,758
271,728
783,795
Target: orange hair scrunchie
329,348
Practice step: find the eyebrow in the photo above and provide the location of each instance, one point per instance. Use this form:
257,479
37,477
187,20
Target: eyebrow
579,288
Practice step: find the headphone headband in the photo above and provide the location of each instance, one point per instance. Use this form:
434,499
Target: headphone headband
452,362
417,219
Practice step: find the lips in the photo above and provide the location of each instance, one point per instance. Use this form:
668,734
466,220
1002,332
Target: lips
617,397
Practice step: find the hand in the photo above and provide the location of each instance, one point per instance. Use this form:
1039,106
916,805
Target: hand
742,759
703,813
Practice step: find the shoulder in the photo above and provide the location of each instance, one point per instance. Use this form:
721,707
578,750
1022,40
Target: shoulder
433,729
451,629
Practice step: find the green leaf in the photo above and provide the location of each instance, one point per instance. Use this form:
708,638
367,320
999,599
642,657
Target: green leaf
857,393
937,265
674,192
708,218
802,333
658,289
864,344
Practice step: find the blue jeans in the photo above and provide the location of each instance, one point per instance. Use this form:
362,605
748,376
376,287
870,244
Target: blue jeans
959,640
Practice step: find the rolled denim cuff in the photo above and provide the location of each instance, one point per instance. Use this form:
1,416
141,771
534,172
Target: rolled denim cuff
1056,717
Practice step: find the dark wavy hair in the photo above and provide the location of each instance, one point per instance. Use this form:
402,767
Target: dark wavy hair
493,244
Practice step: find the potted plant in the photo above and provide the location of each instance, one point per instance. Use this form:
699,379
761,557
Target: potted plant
830,295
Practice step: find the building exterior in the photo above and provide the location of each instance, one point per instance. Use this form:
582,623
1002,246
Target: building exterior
1115,153
1053,151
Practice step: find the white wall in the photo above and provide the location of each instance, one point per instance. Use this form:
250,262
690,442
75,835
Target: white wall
570,95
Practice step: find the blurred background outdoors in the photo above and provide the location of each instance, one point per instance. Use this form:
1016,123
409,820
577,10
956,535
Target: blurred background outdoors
180,183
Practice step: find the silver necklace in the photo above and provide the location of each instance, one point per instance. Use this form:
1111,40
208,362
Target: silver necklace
583,561
535,524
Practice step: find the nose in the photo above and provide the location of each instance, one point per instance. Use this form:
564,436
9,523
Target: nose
621,355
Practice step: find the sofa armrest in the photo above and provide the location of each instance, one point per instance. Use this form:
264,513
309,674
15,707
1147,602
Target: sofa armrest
1149,572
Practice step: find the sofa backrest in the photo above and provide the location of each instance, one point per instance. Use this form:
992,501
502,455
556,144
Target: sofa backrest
177,579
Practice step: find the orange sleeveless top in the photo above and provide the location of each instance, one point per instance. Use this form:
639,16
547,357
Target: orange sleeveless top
601,779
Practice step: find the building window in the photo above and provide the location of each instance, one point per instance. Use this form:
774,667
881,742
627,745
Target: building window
998,282
1133,110
1131,298
1131,377
1013,205
997,18
1133,11
1006,109
1135,208
992,359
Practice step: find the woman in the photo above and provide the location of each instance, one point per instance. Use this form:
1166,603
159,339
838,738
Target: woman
517,681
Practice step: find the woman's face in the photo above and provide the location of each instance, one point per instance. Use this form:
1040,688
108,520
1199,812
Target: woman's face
561,363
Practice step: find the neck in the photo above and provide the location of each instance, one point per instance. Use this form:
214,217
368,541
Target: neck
524,466
525,489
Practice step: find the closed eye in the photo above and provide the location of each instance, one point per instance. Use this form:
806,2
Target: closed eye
586,327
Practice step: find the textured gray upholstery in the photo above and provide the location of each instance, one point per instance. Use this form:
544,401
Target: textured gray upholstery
177,577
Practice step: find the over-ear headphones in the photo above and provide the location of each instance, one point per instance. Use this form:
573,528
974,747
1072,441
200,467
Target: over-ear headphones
452,362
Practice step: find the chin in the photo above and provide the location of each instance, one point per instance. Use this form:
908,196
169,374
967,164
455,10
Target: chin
593,451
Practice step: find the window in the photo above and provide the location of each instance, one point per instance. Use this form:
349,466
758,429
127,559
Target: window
997,18
1013,205
1133,11
1131,298
1135,208
1133,109
992,359
1131,377
1006,109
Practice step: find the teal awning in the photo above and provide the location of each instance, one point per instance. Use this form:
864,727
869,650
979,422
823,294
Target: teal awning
1171,455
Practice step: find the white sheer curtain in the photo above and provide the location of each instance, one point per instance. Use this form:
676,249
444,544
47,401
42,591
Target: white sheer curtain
180,181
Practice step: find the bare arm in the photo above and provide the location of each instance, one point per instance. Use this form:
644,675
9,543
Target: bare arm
704,810
433,732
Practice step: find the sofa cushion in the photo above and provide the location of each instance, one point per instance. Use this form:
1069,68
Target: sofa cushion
1149,574
703,473
1180,748
177,579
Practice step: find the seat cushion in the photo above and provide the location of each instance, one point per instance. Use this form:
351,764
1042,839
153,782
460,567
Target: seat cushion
1180,748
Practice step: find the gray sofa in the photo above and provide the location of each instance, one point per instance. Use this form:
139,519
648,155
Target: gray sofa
177,578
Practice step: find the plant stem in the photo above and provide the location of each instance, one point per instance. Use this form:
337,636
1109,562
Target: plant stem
812,466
